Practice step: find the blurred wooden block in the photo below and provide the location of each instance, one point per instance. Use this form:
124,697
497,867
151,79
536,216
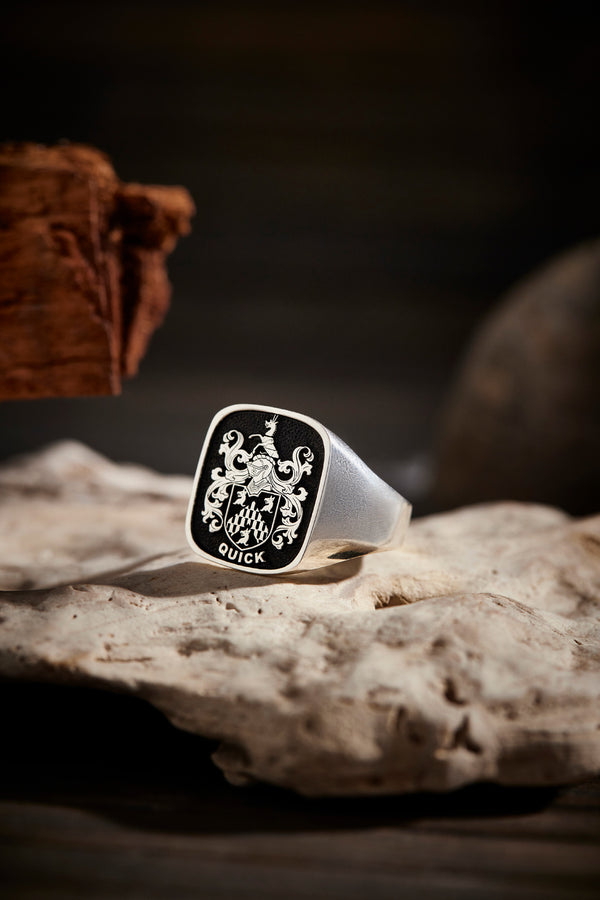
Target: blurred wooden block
83,283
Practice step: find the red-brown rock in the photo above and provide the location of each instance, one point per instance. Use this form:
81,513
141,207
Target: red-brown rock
83,282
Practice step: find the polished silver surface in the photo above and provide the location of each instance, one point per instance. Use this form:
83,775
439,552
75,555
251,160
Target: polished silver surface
276,491
359,513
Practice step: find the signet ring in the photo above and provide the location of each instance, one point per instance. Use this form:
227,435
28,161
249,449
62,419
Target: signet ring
276,491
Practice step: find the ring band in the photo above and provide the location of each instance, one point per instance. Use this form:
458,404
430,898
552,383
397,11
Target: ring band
276,490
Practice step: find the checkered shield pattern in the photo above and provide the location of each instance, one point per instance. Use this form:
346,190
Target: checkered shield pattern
248,518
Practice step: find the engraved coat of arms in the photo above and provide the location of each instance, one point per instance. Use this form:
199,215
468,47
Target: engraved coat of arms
257,497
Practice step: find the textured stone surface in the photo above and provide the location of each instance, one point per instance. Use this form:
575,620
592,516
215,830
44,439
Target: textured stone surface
471,653
83,282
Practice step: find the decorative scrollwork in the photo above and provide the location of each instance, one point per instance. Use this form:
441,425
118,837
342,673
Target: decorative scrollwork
256,471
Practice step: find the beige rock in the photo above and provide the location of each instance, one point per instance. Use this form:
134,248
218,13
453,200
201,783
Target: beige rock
331,682
67,513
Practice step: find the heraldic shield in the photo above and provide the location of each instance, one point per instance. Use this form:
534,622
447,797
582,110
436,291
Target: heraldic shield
257,488
249,521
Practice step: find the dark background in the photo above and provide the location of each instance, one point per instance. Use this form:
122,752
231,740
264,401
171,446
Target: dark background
368,177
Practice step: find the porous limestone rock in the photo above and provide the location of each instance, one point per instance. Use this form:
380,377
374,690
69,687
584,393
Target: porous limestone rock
471,653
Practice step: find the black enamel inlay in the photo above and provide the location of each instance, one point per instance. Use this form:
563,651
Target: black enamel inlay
249,496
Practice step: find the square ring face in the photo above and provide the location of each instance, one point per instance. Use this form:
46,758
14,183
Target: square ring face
258,488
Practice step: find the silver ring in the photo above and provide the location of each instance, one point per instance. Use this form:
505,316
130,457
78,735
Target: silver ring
276,490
